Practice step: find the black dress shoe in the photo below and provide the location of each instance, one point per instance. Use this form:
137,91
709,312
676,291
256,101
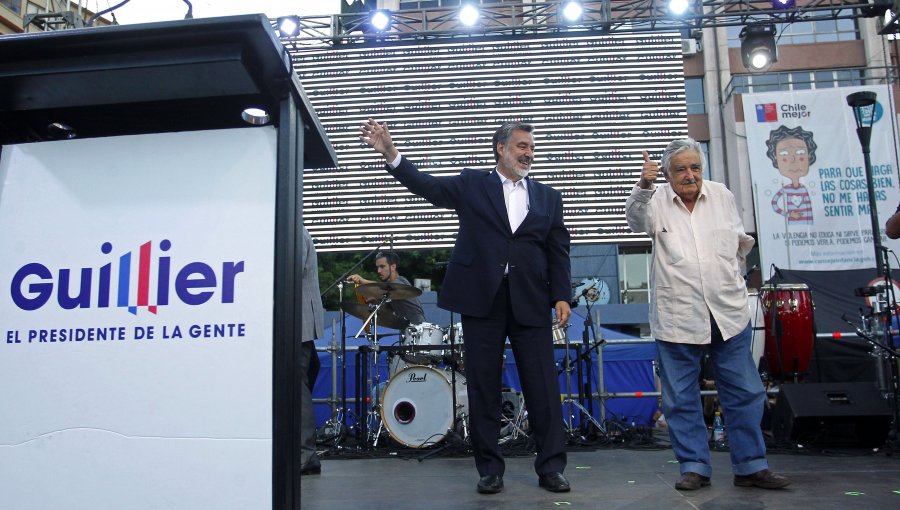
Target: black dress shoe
490,484
554,482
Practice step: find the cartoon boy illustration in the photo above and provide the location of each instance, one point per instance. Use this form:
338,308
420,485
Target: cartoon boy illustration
792,150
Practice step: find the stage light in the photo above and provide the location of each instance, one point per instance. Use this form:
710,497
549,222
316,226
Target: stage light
678,7
380,20
255,116
758,51
288,26
783,4
572,11
468,15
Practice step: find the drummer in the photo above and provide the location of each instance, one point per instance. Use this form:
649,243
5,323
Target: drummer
386,267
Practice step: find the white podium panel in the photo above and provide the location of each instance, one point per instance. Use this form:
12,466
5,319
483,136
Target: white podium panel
136,295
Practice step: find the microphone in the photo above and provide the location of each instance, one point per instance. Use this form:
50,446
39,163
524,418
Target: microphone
778,272
750,271
577,297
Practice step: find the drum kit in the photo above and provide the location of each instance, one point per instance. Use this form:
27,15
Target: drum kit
424,398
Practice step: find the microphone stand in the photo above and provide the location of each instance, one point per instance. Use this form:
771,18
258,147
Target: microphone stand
340,284
776,323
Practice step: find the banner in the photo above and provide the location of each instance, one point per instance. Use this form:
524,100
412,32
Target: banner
809,179
136,294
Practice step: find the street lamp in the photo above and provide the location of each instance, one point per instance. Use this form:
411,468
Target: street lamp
863,104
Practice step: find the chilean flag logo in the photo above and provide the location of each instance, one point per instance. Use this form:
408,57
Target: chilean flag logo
766,112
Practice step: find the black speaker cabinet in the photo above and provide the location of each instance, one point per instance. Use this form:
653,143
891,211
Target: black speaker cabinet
838,414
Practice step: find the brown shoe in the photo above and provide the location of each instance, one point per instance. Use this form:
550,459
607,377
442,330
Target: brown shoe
690,481
764,479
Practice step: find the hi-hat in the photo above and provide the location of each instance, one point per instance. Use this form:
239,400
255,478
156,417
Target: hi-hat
386,317
391,290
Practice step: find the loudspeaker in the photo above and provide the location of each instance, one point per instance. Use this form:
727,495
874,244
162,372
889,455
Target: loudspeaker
839,414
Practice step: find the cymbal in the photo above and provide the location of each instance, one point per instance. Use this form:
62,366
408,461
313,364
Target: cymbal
386,317
393,290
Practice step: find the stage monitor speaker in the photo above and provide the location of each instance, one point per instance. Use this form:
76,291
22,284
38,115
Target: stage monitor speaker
837,414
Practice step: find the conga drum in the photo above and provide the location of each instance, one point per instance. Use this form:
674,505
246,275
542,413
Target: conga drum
790,332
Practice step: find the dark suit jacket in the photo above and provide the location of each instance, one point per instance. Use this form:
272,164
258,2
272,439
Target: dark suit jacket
308,302
537,253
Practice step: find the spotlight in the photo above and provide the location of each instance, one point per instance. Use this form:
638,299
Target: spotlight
255,116
469,15
380,20
678,7
758,46
572,10
783,4
288,26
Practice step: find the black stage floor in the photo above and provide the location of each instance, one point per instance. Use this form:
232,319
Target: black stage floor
604,477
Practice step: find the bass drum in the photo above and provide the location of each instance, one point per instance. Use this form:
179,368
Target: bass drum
416,405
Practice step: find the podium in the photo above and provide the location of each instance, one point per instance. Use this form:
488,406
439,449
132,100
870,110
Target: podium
148,260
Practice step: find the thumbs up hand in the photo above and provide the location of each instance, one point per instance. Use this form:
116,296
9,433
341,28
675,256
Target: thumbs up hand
649,172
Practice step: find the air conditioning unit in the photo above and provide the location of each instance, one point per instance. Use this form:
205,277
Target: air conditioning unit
689,47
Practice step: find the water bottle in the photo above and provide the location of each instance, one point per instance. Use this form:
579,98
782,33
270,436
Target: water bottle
719,440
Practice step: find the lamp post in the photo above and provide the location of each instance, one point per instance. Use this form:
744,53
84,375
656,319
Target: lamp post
863,104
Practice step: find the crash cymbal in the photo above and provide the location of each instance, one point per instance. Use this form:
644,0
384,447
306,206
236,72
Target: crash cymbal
393,290
386,317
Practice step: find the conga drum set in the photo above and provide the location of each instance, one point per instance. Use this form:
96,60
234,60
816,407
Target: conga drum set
424,397
789,329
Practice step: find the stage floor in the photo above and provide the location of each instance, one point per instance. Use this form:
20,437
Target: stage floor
608,478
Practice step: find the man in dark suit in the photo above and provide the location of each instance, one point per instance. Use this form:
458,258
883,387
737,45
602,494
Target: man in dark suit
510,267
309,308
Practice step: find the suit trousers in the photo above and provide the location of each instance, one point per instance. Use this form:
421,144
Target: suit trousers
485,339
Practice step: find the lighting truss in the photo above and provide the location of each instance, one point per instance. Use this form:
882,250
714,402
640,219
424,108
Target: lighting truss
545,17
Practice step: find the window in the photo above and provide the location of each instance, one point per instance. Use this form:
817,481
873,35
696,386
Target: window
693,95
800,81
13,5
634,275
33,8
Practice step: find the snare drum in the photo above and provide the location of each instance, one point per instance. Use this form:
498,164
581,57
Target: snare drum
422,335
416,405
791,305
457,331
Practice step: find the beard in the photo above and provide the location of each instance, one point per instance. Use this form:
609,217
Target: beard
521,172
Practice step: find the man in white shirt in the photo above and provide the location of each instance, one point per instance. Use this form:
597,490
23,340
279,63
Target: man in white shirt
698,300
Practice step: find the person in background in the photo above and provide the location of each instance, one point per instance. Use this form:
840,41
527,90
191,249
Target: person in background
386,266
309,308
892,227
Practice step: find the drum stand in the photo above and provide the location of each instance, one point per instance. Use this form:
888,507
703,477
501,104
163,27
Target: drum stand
374,381
515,423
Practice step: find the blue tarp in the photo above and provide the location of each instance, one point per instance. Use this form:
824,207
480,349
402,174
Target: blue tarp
626,368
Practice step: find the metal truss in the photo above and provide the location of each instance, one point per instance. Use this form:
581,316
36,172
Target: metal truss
545,17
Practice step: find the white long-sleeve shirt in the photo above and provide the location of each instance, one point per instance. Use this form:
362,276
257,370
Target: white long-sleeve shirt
698,261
